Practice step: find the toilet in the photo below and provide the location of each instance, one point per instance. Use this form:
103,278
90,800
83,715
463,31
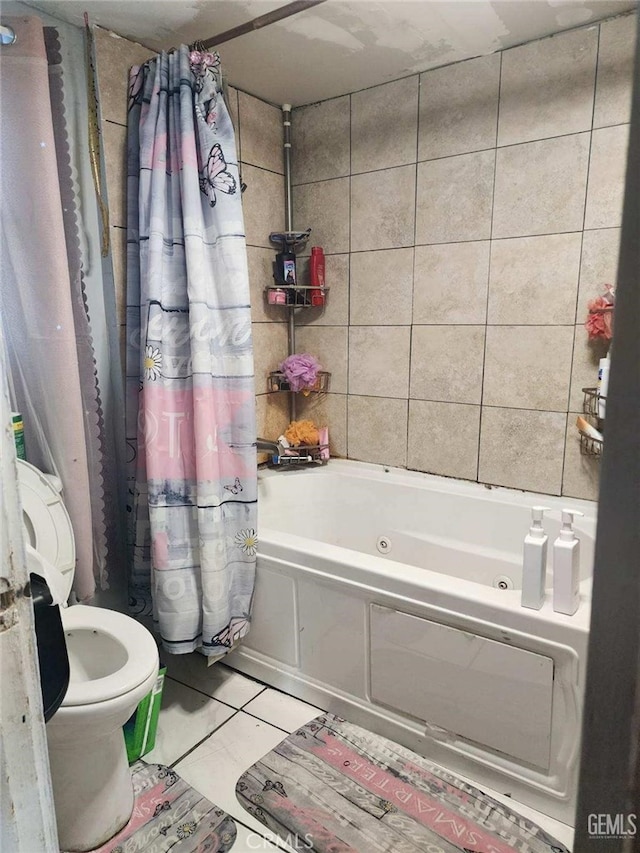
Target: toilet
113,665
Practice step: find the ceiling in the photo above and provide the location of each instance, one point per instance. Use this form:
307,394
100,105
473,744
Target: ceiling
337,47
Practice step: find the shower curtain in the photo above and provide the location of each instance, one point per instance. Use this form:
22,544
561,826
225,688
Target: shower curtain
47,333
191,431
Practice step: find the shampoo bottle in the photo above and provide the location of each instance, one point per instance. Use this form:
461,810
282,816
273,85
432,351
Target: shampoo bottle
284,272
566,566
603,385
316,273
534,564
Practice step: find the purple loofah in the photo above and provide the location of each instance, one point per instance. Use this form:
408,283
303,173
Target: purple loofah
300,370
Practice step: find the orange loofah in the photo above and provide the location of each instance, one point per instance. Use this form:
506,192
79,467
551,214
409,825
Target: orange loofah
302,432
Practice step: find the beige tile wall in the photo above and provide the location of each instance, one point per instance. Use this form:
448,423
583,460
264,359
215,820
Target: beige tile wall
468,214
259,138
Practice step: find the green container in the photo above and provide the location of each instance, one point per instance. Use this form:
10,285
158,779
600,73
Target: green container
140,729
18,434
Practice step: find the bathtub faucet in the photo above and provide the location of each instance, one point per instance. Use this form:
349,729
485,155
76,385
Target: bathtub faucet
263,445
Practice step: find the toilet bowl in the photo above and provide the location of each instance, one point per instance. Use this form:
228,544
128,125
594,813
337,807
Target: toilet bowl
113,664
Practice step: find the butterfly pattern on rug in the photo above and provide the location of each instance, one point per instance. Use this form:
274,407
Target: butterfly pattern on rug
162,807
278,787
215,176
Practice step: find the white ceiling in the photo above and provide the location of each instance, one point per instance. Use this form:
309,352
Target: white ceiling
337,47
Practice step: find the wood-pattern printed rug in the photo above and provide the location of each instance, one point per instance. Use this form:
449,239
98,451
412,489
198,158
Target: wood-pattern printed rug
333,787
169,815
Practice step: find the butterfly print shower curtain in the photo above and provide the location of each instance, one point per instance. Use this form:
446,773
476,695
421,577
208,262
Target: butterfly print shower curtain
192,486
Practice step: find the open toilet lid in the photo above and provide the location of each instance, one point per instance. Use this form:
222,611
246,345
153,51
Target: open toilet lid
46,523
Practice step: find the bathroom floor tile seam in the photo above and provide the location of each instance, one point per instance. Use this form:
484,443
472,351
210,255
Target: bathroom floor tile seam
242,709
217,728
215,698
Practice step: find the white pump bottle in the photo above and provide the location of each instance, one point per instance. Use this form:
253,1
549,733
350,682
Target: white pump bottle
534,563
566,566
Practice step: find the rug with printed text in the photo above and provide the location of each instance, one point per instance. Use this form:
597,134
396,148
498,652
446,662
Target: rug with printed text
170,815
333,787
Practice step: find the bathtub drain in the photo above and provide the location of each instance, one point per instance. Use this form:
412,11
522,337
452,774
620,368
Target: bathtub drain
503,582
383,545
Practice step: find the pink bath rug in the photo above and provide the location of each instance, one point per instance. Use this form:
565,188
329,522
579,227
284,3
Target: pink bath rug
332,787
169,815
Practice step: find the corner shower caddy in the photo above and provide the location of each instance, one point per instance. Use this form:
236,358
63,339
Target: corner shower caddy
289,240
299,296
591,446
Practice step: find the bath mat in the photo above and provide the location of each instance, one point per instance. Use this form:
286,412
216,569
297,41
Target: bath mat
170,815
333,787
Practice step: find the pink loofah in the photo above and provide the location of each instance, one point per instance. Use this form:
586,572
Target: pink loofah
300,370
599,323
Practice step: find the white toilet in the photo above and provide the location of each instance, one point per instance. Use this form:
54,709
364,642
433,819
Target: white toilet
113,663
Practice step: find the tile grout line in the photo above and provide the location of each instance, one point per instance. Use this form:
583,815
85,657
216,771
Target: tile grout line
458,403
488,291
236,711
249,701
215,698
262,168
290,695
266,722
416,162
202,740
455,242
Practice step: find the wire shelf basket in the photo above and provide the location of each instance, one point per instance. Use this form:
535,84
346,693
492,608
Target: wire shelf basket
300,296
591,446
277,381
305,454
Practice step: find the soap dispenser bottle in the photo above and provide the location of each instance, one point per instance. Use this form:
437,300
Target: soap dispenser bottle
566,566
534,563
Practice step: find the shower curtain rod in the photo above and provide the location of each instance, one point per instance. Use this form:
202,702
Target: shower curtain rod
258,23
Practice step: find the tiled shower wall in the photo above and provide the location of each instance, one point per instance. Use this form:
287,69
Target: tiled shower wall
259,138
468,214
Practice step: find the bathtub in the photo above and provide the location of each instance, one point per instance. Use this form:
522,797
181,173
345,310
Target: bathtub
392,598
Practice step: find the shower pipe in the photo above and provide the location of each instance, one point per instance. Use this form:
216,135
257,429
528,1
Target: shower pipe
288,226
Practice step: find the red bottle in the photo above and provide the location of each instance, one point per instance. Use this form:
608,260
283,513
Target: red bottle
316,274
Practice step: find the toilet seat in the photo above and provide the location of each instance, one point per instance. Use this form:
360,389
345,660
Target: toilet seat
46,523
111,654
139,654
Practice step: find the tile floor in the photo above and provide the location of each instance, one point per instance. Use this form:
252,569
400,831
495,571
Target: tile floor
215,723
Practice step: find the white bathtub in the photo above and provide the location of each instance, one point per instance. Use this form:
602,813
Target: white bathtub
418,641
